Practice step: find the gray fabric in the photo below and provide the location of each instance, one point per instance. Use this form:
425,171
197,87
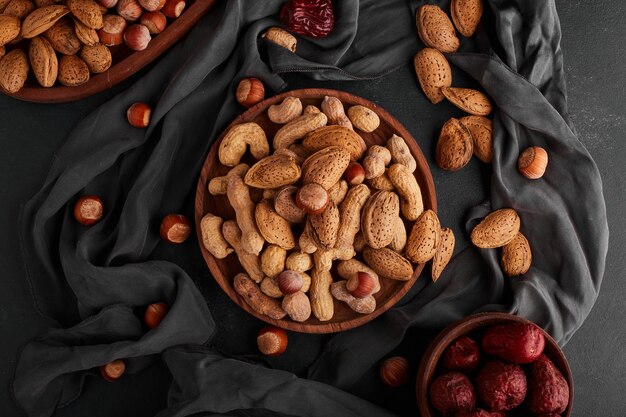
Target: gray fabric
90,281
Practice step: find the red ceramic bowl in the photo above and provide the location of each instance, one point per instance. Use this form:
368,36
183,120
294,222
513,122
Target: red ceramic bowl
429,365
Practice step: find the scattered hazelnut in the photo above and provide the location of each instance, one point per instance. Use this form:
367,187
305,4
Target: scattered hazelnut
137,37
175,228
395,371
289,282
112,31
312,198
272,341
88,210
113,370
154,314
532,162
138,115
129,9
361,284
173,8
355,174
152,5
154,21
250,91
109,4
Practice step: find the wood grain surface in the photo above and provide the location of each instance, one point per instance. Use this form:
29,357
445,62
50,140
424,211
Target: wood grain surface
225,270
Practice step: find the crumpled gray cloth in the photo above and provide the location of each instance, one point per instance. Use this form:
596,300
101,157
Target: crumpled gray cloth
91,282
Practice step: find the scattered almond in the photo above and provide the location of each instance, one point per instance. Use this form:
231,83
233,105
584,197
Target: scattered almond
497,229
433,72
481,130
516,256
466,15
468,100
435,28
444,253
454,147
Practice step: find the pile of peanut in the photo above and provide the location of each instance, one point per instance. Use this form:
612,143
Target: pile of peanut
350,203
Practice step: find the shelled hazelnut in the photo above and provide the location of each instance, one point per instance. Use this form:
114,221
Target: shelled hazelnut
250,91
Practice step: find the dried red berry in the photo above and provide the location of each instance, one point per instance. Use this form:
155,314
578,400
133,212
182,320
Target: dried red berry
452,392
548,391
501,386
462,355
314,18
515,342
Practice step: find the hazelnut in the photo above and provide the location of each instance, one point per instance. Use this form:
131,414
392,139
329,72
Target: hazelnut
154,21
355,174
532,162
395,371
88,210
175,228
152,5
129,9
137,37
312,198
289,282
112,32
272,341
154,314
109,4
250,91
173,8
113,370
138,115
361,284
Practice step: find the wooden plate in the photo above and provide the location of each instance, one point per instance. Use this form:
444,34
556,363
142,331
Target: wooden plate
473,324
125,62
225,270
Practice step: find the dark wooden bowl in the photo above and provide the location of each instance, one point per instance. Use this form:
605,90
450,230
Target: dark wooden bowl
125,62
225,270
430,360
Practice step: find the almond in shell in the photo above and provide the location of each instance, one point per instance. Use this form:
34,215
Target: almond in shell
444,252
3,5
2,51
466,15
13,71
87,11
516,256
454,147
481,129
19,8
326,167
424,238
435,28
469,100
378,219
433,72
73,71
273,228
87,35
273,171
9,28
388,264
42,19
44,61
324,227
63,38
97,57
335,135
497,229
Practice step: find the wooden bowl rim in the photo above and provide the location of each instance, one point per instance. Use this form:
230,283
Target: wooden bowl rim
429,193
432,355
123,69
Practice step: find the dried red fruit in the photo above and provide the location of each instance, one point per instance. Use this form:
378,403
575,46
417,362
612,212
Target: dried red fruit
548,391
516,342
314,18
501,386
462,355
452,392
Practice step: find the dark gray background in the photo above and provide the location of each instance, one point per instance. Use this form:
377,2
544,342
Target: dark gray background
595,63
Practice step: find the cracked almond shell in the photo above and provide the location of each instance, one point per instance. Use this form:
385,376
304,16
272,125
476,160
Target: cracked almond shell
497,229
433,72
424,238
516,256
273,171
469,100
435,28
454,147
444,253
481,129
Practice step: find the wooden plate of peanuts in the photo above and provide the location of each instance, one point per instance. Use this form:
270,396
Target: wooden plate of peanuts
316,211
66,50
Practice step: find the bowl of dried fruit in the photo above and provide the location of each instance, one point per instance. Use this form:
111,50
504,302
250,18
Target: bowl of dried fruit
58,51
494,365
316,211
